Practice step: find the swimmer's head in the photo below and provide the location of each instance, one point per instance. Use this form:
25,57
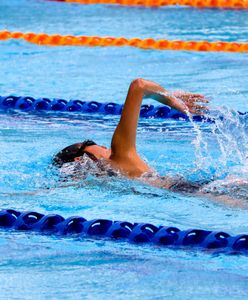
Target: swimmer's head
76,151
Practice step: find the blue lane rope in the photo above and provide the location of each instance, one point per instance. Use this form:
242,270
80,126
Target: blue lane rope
135,233
61,105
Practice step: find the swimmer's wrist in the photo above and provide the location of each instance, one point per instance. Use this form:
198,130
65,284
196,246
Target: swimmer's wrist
172,101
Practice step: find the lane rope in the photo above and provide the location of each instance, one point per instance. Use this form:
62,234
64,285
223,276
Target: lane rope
148,43
30,104
43,105
118,230
234,4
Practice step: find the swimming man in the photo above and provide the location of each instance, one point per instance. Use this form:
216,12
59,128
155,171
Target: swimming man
122,157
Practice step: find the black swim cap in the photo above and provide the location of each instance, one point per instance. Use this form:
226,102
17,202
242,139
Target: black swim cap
69,153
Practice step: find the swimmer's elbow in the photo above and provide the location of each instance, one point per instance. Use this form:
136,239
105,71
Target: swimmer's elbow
138,84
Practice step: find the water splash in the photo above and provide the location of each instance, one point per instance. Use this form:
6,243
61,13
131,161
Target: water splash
222,152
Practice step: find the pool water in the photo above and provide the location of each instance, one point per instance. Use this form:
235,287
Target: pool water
42,266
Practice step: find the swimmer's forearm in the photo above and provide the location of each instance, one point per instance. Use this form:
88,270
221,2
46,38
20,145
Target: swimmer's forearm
158,93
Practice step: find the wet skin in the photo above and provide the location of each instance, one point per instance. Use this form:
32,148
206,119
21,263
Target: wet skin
123,155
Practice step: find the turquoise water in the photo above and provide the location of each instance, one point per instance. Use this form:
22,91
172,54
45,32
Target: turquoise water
50,267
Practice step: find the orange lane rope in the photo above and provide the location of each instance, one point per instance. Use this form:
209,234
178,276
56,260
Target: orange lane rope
149,43
237,4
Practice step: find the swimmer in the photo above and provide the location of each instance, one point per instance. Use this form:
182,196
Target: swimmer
122,158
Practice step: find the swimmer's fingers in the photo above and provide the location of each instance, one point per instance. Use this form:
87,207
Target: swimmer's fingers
193,98
192,106
195,95
197,104
200,99
201,107
198,111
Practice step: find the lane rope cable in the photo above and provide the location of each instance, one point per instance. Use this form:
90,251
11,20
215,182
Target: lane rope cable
148,43
122,230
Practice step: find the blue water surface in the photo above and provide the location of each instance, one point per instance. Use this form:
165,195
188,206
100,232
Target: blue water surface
39,266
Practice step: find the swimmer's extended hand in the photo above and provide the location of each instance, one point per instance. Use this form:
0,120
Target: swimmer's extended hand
182,101
192,101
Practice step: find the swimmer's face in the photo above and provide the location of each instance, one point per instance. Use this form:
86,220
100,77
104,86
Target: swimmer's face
98,151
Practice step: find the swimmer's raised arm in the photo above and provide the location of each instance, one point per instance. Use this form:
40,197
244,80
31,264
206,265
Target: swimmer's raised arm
124,138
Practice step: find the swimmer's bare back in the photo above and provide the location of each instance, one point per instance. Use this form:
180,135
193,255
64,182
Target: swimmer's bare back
124,156
180,185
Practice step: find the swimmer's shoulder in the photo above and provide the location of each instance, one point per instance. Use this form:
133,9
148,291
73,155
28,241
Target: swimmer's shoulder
133,167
